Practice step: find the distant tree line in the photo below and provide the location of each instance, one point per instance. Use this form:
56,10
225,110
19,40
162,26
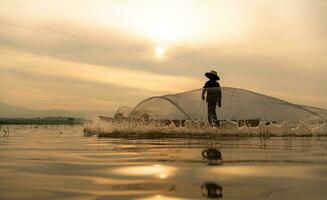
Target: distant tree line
42,120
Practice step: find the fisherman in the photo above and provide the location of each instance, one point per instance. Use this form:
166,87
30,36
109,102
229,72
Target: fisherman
213,90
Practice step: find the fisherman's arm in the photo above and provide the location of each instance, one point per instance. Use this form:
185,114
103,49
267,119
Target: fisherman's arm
219,97
203,93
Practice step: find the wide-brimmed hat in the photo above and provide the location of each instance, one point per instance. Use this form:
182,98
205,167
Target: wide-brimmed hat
212,75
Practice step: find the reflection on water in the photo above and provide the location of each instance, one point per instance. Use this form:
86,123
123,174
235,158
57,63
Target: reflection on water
212,190
56,162
159,171
213,156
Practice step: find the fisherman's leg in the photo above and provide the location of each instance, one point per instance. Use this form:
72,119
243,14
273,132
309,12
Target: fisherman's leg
211,112
217,122
214,114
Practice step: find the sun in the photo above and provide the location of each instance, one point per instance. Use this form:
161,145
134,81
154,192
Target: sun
160,51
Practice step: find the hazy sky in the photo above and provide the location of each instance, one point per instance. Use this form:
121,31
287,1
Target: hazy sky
101,54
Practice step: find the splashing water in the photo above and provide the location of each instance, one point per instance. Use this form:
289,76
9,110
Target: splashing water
200,129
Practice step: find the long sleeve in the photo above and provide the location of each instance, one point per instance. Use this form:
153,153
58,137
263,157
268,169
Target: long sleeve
203,93
219,95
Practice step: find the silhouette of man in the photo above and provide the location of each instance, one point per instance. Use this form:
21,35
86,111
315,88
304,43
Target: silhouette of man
213,91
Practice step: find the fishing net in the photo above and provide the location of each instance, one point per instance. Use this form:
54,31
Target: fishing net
242,113
122,112
237,104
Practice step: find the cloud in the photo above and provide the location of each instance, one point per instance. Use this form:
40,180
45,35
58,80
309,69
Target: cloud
43,92
282,53
138,79
27,78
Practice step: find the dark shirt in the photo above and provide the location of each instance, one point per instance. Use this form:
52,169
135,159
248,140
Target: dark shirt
213,90
211,83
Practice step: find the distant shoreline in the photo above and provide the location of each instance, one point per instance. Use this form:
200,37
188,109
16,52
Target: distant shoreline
42,120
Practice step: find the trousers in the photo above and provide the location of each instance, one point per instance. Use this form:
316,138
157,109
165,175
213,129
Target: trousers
212,115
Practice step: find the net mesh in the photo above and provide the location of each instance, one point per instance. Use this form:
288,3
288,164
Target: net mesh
122,112
237,104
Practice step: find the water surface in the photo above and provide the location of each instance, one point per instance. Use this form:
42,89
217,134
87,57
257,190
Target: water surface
57,162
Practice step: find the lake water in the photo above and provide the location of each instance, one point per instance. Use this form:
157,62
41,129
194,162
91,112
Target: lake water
57,162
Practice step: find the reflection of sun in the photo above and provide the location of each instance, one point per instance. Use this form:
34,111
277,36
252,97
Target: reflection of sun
159,171
160,52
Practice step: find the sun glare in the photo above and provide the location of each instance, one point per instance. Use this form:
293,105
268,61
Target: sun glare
160,52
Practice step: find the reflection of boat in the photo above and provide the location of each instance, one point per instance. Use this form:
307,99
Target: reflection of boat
212,190
213,156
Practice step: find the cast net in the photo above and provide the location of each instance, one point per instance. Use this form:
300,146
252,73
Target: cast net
243,113
122,112
237,104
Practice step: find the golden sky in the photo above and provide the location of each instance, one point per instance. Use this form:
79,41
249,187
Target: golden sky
101,54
